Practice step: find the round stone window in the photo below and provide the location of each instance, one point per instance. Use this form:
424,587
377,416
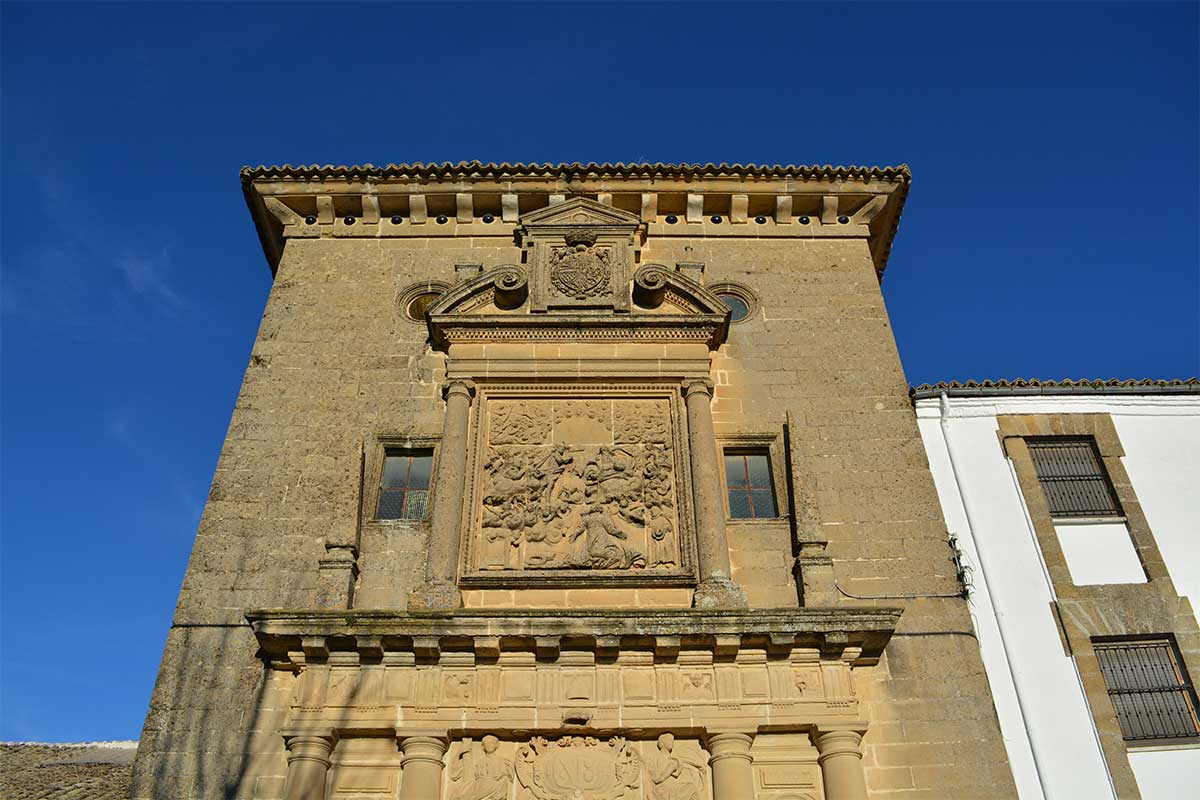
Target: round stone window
740,301
415,301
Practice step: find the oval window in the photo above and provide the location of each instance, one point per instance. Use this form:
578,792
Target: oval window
739,309
418,306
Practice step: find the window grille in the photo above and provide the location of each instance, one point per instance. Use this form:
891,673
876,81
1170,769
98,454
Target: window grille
1073,478
748,482
1149,689
404,491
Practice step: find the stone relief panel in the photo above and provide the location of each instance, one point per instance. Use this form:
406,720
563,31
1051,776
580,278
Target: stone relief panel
585,486
578,768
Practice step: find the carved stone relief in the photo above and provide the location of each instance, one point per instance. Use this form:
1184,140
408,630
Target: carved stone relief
578,768
577,484
581,270
480,772
675,775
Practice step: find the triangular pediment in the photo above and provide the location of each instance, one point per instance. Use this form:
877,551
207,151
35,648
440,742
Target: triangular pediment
580,212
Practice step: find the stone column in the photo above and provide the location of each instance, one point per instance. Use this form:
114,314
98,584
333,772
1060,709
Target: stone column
715,590
840,756
440,590
308,765
421,767
730,759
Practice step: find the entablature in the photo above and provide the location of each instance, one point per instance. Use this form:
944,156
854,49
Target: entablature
857,636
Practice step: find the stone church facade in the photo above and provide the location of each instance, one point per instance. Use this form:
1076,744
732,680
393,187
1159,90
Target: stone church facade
591,482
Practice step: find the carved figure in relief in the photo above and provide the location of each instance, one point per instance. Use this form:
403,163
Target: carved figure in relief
481,774
697,685
602,545
662,538
674,776
581,270
579,768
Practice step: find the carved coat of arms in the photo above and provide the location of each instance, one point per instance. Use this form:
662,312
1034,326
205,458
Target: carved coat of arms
581,270
579,768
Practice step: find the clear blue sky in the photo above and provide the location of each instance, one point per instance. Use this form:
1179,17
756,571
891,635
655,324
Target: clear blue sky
1051,230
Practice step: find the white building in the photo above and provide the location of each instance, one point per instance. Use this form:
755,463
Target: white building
1077,511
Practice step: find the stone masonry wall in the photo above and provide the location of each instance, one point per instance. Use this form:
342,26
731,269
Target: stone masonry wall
335,364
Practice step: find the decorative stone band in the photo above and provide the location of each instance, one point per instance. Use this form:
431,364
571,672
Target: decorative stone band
292,638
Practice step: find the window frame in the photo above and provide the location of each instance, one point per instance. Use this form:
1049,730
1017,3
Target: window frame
1118,514
1183,687
770,444
394,444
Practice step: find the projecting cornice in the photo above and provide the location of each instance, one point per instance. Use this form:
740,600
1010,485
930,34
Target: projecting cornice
482,200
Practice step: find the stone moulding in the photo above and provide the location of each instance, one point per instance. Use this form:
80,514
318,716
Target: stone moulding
287,637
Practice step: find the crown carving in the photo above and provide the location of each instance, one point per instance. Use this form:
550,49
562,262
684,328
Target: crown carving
580,236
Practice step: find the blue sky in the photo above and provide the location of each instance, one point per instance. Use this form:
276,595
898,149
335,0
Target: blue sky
1051,230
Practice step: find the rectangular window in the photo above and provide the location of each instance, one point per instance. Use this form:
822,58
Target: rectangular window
748,481
1073,477
404,491
1149,689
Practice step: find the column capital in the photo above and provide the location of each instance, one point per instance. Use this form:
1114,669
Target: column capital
426,748
310,746
838,740
729,745
458,386
697,385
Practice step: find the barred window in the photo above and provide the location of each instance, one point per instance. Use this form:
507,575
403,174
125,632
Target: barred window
1149,689
404,491
748,481
1073,477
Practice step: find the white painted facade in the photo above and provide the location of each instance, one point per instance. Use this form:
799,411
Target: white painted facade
1044,716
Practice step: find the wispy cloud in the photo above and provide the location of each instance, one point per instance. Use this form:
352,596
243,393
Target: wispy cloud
78,279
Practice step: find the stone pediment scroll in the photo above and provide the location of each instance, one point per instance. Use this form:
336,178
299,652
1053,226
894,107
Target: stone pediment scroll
578,487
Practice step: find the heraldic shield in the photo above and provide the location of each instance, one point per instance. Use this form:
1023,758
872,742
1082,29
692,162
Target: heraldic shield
579,768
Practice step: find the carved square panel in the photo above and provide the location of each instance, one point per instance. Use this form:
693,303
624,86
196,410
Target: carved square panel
571,486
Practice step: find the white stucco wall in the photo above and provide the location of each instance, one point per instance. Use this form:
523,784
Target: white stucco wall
1044,716
1099,553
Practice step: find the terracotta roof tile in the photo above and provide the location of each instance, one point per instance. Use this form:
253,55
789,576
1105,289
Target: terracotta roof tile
90,771
1021,386
478,169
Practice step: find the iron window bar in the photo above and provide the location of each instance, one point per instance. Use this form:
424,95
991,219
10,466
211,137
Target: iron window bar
1149,689
1073,477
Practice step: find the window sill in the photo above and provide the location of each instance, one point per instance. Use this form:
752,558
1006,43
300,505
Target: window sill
756,520
1088,520
1151,745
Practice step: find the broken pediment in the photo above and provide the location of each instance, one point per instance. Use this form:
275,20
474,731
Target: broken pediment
655,303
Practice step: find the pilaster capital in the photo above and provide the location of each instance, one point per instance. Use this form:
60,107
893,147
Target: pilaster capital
698,385
459,386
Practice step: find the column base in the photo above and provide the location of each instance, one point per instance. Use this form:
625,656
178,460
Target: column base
435,596
719,593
